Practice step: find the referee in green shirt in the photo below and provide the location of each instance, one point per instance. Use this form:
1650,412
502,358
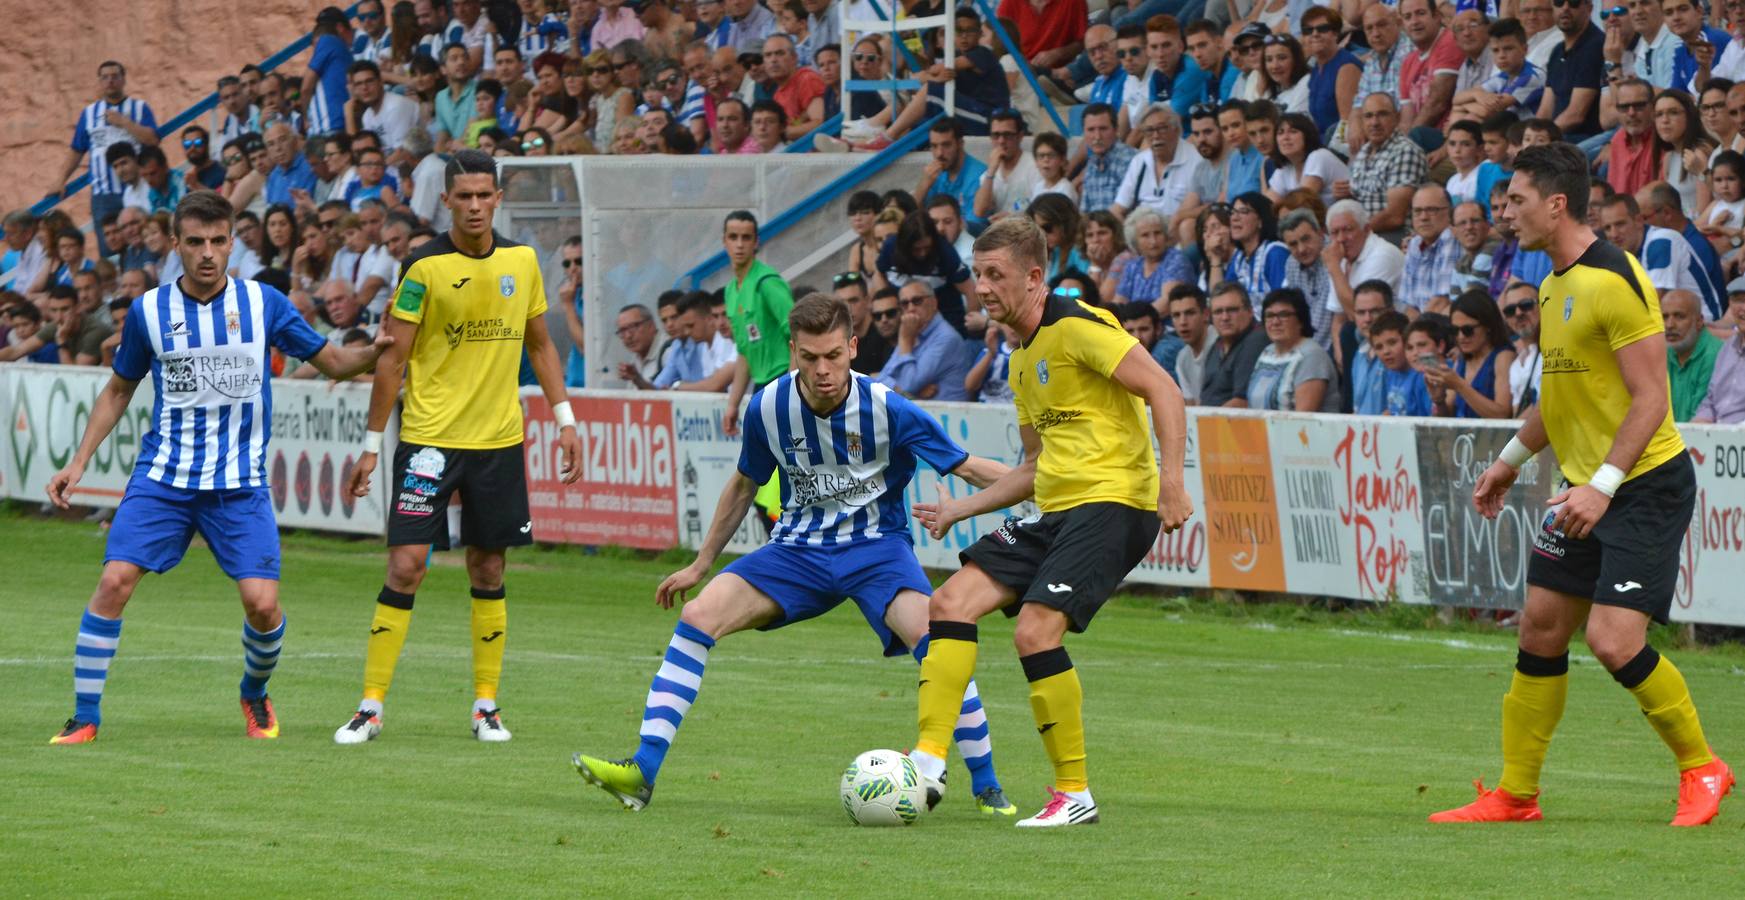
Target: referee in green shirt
758,301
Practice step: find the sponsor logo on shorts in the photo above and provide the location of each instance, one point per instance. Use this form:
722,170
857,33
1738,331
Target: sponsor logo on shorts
428,462
1549,540
1627,587
1059,588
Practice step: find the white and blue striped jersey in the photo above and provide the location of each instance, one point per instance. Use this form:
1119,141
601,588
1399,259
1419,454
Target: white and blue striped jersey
228,126
1672,264
212,415
549,33
693,106
330,62
843,474
377,51
93,135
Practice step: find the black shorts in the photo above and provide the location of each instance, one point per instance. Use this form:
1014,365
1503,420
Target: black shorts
1631,558
493,494
1070,560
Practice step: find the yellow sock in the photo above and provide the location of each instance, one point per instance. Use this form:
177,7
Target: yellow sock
945,673
1665,700
1531,710
1057,700
490,627
387,635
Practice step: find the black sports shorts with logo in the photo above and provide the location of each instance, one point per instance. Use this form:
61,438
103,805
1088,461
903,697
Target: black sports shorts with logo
1070,560
493,494
1631,557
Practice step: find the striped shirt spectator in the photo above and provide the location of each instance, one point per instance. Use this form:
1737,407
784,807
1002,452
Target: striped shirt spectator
548,33
235,115
1381,72
324,85
1525,88
113,118
373,41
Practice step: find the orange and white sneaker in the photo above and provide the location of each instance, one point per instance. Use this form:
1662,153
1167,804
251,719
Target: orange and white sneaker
75,732
257,715
1493,806
1699,793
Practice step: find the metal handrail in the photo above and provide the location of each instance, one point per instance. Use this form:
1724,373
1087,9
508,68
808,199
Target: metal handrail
815,201
803,144
183,118
1023,65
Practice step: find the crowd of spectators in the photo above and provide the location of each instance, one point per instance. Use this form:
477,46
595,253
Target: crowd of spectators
1294,204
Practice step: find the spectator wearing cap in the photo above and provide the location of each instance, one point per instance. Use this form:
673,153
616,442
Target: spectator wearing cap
373,41
1691,352
1247,50
202,170
324,82
113,118
798,90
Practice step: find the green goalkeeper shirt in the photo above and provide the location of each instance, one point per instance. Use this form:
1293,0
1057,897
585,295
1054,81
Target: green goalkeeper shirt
758,307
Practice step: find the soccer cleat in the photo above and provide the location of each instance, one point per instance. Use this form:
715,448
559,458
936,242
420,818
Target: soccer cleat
1060,811
1699,793
75,732
1492,806
364,726
258,716
488,726
993,802
622,778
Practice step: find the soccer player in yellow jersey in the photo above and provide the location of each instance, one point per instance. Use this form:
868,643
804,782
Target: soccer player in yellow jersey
1607,553
467,304
1082,386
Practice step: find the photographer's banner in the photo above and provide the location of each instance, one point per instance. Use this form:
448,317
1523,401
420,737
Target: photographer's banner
317,434
627,492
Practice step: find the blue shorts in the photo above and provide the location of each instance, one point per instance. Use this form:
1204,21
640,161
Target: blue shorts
807,582
155,522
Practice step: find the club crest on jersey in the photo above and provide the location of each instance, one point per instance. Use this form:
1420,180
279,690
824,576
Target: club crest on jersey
1042,370
233,322
854,443
506,284
1568,307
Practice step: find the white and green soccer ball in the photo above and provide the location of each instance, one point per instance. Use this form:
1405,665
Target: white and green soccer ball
882,787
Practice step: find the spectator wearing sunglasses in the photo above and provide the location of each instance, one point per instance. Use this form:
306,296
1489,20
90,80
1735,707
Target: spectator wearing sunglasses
1573,75
1520,308
373,40
930,362
202,170
1477,385
1333,70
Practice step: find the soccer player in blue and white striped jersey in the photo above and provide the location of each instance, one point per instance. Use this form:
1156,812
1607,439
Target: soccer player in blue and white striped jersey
204,340
112,119
324,83
847,448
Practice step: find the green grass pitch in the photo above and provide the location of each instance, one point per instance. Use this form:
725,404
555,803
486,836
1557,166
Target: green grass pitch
1234,752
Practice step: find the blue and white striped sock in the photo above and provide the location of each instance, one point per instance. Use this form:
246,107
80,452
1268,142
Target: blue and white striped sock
98,638
974,743
671,695
260,655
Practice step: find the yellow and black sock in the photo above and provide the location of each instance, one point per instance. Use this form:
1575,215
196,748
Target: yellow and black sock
1057,700
490,628
387,635
1659,688
945,673
1531,710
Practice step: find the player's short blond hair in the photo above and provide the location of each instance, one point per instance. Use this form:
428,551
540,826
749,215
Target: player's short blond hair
1020,236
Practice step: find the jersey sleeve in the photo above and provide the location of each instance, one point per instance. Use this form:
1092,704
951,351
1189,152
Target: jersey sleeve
409,297
81,136
537,305
953,267
921,434
133,355
1100,347
778,301
327,50
1629,318
755,460
286,328
146,117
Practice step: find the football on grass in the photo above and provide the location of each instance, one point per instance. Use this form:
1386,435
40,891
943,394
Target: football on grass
882,787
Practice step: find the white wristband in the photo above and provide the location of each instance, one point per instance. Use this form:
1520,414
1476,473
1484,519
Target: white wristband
565,416
1606,479
373,442
1515,454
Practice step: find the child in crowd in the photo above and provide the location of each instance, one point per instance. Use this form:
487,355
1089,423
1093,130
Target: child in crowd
987,379
1403,392
485,99
1724,220
1427,349
1049,151
1473,174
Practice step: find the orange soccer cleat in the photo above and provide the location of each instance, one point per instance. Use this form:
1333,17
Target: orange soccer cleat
1700,791
257,714
75,732
1493,806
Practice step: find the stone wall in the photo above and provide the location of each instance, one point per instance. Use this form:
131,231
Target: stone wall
174,51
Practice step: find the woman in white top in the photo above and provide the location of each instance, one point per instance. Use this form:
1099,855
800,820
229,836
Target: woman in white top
1284,73
1302,162
1684,146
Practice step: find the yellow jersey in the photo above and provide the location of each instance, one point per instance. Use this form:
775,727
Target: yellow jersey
1096,438
1586,313
463,369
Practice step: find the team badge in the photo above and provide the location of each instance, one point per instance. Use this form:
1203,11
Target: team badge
854,443
1042,370
428,462
751,333
1568,307
506,284
232,322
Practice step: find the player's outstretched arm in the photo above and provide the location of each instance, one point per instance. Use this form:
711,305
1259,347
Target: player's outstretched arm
110,406
546,368
1493,485
730,510
1140,374
342,363
1004,489
384,390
